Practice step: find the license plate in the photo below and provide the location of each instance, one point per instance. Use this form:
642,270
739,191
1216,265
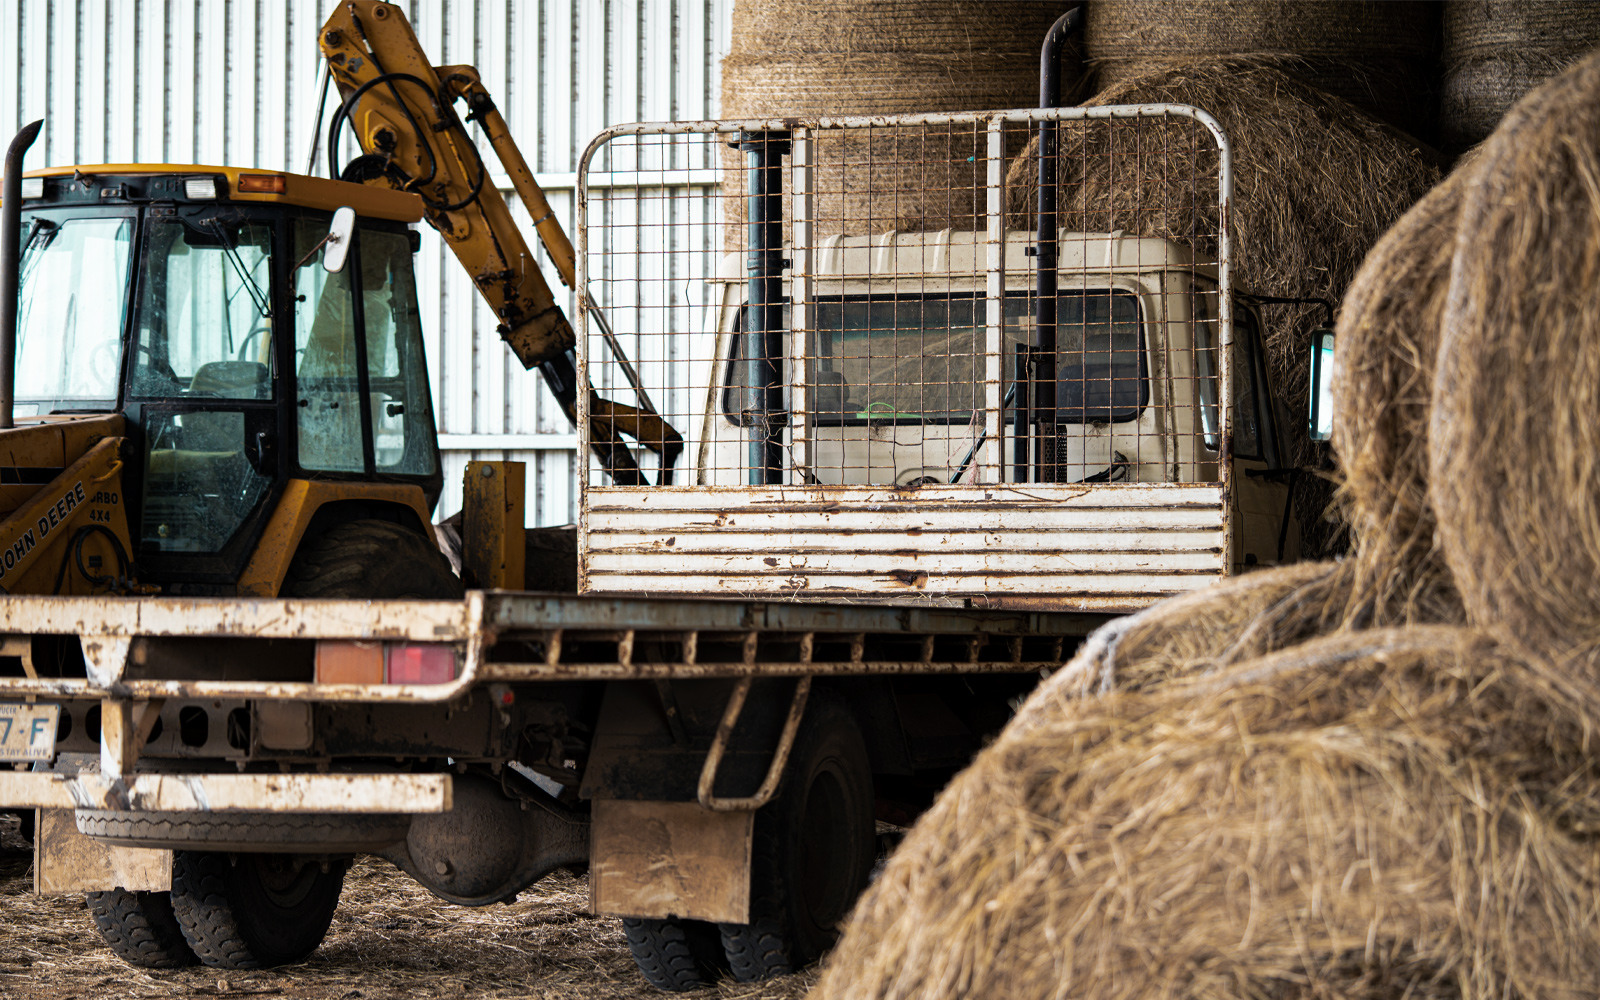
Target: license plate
28,732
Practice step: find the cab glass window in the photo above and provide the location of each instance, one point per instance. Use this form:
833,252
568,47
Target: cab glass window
1102,373
361,374
327,371
397,373
70,307
204,319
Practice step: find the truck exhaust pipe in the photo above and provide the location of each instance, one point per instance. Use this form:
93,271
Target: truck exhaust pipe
11,265
1042,402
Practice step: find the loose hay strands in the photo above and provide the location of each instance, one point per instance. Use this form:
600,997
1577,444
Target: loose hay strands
389,939
1388,813
1514,443
1387,339
1238,619
1316,183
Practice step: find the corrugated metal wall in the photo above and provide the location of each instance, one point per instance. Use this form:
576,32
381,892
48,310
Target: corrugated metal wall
236,81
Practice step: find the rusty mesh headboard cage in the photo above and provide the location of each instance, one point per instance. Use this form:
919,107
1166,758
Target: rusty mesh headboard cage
826,305
899,253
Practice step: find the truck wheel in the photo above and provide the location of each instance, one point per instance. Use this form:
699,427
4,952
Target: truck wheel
250,911
676,955
370,558
140,929
812,851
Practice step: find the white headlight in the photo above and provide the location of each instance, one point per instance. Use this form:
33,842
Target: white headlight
33,187
200,188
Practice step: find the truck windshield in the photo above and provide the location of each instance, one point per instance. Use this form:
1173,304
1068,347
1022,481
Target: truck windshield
72,296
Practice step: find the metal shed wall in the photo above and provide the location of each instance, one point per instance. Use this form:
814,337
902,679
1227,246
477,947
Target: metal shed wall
236,82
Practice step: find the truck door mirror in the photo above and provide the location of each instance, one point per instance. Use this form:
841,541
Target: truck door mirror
1321,415
336,247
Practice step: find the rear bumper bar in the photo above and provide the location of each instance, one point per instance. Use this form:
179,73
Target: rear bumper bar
292,793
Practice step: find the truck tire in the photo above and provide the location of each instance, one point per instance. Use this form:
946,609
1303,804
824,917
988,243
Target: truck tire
370,558
328,833
252,911
676,955
813,850
140,928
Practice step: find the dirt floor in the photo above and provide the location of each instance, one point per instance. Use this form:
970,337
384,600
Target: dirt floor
390,938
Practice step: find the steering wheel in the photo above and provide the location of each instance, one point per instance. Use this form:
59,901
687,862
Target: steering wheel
243,354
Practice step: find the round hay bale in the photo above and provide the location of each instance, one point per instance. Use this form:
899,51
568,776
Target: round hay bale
1379,56
847,57
1495,51
1387,339
1513,440
1316,184
1240,618
1377,814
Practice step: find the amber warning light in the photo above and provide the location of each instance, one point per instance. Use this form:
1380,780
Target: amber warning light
262,184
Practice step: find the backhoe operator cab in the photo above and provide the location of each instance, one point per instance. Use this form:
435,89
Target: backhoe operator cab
264,397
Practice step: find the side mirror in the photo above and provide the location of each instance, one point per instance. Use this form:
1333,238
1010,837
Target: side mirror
336,245
1321,404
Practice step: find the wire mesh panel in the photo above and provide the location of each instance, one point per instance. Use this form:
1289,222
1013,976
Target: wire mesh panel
892,378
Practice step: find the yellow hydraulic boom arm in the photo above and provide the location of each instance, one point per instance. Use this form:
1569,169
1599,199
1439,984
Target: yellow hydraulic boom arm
402,110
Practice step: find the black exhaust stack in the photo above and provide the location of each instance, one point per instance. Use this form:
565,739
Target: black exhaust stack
1047,258
10,266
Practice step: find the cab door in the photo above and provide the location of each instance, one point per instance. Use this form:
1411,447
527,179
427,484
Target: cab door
1264,530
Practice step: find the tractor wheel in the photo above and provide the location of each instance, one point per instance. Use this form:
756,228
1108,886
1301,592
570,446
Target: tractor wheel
813,850
370,558
251,911
140,929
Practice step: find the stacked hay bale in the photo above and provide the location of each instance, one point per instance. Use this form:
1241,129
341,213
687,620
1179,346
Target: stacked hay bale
1494,51
1374,814
849,57
1514,444
1387,341
1377,56
1371,812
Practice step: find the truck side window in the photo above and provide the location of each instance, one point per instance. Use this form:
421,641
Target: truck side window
1251,416
1247,397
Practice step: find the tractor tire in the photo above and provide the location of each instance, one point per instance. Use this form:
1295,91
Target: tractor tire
140,928
253,911
676,955
813,849
322,833
370,558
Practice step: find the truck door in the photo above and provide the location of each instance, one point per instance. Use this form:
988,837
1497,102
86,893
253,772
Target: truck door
1260,487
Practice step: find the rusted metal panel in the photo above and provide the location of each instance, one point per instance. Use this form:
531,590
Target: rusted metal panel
670,859
67,861
417,621
1133,544
311,793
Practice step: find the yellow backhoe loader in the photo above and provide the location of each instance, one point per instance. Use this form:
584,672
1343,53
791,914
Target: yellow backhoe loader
220,386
